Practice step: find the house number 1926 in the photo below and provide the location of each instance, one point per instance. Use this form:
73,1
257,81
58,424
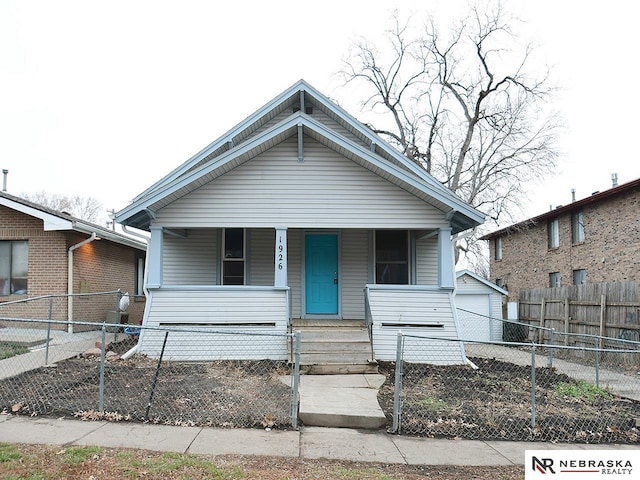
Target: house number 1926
280,253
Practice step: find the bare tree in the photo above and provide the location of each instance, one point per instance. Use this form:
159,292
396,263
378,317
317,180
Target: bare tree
85,208
470,107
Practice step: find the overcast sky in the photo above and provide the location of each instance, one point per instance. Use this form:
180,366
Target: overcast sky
104,98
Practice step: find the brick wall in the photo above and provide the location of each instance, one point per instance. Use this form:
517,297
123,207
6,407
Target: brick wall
610,251
98,266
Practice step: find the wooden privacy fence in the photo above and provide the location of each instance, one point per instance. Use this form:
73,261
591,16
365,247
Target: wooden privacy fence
601,309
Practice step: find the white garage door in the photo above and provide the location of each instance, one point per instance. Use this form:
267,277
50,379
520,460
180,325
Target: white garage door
474,327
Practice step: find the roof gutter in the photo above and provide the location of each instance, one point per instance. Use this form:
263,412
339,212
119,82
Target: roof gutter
70,278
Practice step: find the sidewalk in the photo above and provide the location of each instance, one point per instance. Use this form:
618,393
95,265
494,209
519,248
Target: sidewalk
309,442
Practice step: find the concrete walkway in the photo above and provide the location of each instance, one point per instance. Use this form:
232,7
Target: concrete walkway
309,442
625,385
62,345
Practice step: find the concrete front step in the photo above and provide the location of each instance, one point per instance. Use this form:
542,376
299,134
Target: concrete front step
335,347
347,401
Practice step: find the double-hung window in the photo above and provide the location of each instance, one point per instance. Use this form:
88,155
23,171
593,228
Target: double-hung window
553,231
14,267
233,261
577,227
392,257
579,276
498,249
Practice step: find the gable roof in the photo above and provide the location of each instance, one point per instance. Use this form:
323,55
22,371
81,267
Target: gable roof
280,119
573,206
475,276
55,220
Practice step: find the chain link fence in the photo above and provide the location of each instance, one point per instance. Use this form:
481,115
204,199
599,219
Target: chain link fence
80,310
513,391
97,374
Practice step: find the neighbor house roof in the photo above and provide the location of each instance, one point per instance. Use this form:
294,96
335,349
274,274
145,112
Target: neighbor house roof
255,135
595,198
462,273
55,220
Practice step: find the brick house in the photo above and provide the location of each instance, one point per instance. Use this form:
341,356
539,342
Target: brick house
594,240
37,247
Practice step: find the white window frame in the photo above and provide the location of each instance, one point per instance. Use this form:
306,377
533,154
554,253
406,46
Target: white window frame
554,279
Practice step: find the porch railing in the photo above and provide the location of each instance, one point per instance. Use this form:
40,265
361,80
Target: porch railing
368,318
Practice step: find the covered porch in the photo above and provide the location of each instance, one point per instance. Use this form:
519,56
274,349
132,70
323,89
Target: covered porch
277,279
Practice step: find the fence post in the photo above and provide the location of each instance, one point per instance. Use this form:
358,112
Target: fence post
603,314
296,378
598,362
566,321
551,344
397,407
102,360
533,386
540,331
46,352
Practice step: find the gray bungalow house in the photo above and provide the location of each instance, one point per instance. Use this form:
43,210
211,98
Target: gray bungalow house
300,213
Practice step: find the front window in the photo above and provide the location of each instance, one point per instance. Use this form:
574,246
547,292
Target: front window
577,227
392,257
553,230
14,267
233,258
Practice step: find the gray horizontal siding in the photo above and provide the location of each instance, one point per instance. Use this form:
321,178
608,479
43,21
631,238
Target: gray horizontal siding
191,260
257,318
355,262
415,312
324,191
261,256
427,261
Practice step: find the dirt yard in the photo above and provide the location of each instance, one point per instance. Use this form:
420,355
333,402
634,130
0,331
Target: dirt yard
493,402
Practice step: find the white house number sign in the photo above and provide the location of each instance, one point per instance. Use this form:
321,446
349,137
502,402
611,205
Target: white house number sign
281,258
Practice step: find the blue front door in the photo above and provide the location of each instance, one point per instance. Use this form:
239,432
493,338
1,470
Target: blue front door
321,274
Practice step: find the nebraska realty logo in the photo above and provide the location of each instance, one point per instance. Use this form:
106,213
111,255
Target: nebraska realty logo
558,464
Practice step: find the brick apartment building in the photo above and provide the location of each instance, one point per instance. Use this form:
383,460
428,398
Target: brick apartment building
37,245
594,240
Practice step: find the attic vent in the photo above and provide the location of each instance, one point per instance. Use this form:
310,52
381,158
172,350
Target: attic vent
308,109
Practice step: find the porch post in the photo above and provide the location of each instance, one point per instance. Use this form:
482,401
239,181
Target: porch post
154,253
280,276
446,264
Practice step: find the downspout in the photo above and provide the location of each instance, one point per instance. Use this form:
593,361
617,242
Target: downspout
70,279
